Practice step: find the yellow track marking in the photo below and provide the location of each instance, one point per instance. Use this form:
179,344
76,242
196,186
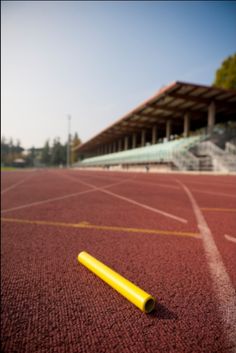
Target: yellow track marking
218,209
86,225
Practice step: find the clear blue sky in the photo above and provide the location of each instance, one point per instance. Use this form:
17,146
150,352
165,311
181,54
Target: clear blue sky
98,60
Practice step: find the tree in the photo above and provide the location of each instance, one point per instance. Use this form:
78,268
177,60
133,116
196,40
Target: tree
46,153
58,152
18,148
9,151
4,150
31,156
75,142
225,76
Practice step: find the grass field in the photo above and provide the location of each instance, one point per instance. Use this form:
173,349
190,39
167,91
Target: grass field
10,169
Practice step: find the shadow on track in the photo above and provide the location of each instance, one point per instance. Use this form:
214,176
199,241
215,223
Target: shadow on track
161,312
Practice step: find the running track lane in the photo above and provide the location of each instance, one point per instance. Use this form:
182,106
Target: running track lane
51,304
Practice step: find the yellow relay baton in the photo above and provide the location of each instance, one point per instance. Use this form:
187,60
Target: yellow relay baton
134,294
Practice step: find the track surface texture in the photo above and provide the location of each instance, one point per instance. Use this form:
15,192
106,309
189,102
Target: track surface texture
174,235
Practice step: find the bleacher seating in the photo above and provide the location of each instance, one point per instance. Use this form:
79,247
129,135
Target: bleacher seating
162,152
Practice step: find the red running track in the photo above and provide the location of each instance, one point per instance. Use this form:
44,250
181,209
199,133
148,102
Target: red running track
142,225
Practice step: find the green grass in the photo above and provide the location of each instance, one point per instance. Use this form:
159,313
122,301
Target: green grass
10,169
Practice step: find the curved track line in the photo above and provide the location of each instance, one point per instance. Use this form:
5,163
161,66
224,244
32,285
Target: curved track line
55,199
73,178
230,238
222,285
134,180
156,210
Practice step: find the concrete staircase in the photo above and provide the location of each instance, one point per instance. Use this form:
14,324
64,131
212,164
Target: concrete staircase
185,160
214,158
206,156
205,163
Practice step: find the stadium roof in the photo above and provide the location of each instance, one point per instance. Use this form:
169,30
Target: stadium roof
170,102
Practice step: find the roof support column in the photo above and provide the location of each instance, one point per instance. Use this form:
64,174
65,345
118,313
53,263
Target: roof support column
114,146
143,138
211,117
134,140
110,148
126,143
154,134
119,145
168,129
186,124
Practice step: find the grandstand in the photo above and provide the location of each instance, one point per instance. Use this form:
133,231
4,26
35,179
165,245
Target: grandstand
183,127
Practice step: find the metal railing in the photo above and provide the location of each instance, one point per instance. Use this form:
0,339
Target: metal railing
230,148
185,160
222,160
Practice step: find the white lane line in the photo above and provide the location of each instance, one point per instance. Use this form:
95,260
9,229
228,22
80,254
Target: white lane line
141,181
156,210
36,203
102,189
110,177
214,193
230,238
16,184
157,184
210,183
222,285
91,185
55,199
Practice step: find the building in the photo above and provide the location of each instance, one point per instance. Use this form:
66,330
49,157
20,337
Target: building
165,129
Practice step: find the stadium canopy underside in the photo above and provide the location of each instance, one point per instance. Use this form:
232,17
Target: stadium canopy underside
176,110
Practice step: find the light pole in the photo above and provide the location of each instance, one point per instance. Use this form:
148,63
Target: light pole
68,143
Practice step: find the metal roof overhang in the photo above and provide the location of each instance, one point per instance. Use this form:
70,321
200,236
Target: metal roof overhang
171,102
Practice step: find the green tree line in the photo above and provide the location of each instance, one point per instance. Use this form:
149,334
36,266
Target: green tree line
10,151
225,76
54,154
